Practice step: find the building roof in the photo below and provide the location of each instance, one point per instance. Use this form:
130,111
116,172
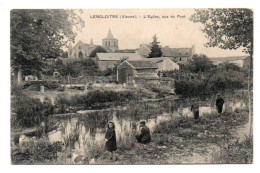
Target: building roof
143,64
109,35
176,52
230,58
168,52
118,56
125,51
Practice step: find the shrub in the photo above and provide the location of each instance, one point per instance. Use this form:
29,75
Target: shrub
235,152
30,112
40,152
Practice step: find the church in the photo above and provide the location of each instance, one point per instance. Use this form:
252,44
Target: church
83,50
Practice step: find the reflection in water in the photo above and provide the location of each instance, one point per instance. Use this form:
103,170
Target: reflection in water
125,128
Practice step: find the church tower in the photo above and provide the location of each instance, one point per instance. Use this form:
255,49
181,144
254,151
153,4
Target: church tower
110,43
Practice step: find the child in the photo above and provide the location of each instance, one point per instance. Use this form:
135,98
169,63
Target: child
110,139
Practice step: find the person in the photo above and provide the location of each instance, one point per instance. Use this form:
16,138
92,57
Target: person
144,137
195,110
110,139
219,103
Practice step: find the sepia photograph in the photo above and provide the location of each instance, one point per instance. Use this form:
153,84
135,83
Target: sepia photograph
131,86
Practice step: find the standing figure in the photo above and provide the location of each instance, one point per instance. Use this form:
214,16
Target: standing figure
219,103
195,110
110,139
144,136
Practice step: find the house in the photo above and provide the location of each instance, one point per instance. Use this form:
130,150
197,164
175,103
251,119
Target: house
164,64
129,70
175,54
109,60
240,61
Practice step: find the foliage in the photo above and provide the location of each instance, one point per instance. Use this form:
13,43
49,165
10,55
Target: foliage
94,100
155,50
29,111
227,28
77,68
38,34
235,152
40,152
98,49
198,63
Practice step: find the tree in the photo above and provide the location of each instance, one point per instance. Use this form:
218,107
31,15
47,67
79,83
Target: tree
98,49
229,29
199,63
155,50
40,34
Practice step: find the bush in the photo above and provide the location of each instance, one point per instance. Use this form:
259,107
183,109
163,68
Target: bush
30,112
94,99
40,152
235,152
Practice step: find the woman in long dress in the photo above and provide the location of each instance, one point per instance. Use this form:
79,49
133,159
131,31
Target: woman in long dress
110,139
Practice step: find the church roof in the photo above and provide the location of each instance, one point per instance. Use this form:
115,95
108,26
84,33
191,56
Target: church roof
109,35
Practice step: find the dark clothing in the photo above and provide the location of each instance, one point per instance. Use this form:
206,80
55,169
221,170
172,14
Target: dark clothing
219,108
111,143
145,136
196,113
219,104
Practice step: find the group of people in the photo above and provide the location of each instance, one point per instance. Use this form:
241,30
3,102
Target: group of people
144,135
195,107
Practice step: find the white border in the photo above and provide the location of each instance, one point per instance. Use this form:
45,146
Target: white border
5,7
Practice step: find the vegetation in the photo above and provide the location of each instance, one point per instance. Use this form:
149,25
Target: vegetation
40,34
235,152
30,112
36,153
229,29
98,49
155,50
77,68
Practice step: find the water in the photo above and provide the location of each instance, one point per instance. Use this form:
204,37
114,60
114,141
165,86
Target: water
125,128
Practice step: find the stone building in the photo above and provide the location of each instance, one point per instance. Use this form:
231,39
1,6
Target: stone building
128,71
110,43
83,50
109,60
175,54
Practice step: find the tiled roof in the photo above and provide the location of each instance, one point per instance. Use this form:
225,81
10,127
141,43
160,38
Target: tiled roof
126,51
144,64
168,52
176,52
118,56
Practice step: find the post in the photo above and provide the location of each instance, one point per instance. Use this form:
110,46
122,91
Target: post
42,89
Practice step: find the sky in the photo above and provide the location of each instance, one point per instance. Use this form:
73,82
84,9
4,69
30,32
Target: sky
176,31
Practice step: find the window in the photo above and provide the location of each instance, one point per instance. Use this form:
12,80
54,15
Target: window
70,52
109,43
79,47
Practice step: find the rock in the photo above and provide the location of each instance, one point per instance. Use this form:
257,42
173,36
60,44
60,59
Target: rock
92,161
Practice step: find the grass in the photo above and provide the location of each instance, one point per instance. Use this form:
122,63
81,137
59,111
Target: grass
235,152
